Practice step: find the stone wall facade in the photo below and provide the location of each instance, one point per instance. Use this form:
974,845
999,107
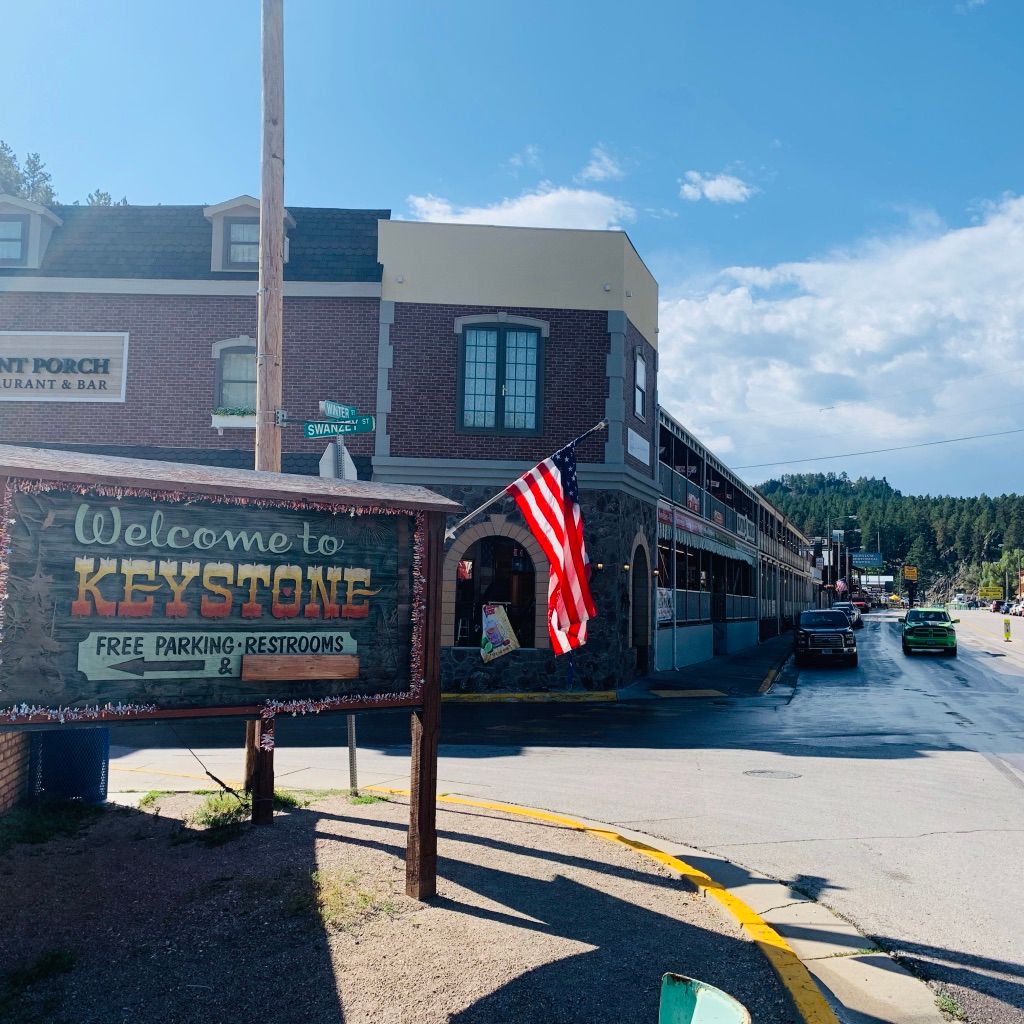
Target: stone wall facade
612,521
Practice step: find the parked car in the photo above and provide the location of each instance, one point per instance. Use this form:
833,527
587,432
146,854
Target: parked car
825,633
862,604
852,613
928,629
995,606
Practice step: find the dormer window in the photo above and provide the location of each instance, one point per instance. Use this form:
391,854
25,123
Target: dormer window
25,230
241,242
236,235
13,240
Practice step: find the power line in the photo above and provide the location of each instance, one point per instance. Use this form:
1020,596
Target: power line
880,451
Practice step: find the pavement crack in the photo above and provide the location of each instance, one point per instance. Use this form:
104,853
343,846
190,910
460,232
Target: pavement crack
784,906
852,839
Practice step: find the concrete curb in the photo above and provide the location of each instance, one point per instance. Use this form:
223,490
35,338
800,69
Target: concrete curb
769,680
556,697
807,999
833,973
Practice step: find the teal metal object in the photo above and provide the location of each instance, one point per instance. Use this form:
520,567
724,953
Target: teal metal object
688,1001
335,428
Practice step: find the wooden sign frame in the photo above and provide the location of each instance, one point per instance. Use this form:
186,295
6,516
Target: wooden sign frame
25,470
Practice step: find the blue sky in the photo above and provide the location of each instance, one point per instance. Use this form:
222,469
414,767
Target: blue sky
826,192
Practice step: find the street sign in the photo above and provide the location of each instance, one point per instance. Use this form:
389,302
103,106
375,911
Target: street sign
337,411
334,428
990,593
117,654
867,559
910,572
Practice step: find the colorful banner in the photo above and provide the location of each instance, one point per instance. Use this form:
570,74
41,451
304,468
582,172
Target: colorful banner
497,638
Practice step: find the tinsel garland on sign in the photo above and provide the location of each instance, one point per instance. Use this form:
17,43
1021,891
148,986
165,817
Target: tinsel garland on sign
272,707
6,523
96,712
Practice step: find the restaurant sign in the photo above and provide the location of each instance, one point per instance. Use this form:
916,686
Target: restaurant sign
683,523
55,366
125,603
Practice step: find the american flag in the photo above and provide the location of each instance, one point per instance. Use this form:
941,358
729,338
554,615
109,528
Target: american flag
549,498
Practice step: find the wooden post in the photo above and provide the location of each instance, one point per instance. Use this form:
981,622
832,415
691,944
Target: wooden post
421,849
263,782
269,331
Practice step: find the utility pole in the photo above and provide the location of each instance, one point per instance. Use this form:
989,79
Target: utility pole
259,740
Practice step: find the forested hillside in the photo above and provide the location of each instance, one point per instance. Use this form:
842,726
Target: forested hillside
955,542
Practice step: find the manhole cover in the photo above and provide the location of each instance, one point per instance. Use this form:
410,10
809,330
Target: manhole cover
771,773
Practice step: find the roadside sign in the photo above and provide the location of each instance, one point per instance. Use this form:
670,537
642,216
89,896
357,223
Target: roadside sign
337,411
334,428
990,593
197,655
867,559
910,572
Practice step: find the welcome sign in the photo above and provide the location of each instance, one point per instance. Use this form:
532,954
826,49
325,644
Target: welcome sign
162,602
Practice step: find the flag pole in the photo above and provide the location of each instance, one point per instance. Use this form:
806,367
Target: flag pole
450,532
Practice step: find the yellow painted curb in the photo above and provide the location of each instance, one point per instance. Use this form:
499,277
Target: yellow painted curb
806,996
769,680
527,698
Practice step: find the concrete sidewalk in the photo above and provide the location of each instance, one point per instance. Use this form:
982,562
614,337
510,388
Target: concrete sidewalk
743,674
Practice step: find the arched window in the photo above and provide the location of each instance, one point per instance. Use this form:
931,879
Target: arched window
495,570
236,375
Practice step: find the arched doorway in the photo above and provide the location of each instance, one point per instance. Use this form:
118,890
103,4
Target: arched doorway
640,614
495,570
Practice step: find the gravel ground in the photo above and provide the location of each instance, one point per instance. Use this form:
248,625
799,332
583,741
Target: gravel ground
139,918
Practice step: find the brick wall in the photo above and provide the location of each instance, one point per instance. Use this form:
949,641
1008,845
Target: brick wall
13,768
424,384
330,352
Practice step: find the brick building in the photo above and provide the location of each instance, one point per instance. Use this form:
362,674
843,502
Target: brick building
131,331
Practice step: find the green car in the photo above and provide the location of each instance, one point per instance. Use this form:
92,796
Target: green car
928,629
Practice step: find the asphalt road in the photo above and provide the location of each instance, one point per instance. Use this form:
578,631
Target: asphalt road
893,793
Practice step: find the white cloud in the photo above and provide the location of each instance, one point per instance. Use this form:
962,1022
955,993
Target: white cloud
968,6
602,167
543,207
913,337
528,158
716,188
